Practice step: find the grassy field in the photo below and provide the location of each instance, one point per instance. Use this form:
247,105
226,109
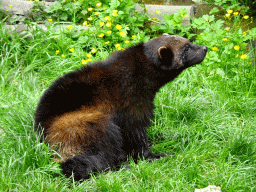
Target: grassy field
206,117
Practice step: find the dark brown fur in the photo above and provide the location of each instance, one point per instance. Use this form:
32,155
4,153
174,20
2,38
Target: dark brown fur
96,116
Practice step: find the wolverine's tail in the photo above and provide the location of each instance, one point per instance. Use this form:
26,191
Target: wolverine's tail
98,159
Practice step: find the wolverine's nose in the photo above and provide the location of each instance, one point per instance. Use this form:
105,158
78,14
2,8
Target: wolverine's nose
205,48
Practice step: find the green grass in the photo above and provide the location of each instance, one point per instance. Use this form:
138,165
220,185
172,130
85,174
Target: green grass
208,121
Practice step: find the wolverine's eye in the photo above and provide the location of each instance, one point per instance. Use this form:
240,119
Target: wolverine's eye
186,48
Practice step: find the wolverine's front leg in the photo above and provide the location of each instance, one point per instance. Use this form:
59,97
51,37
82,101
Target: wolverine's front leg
138,146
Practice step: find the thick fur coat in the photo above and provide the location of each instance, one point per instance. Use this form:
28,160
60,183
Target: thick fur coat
96,116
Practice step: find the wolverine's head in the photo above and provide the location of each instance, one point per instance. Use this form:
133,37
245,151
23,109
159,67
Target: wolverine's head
170,52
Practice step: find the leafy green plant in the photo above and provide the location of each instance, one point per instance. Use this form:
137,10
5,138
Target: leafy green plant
228,47
173,24
114,24
247,5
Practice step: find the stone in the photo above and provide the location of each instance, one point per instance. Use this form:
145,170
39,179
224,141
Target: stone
22,7
166,9
19,7
252,48
210,188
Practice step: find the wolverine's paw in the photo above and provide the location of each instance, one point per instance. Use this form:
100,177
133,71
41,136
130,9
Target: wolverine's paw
154,156
76,167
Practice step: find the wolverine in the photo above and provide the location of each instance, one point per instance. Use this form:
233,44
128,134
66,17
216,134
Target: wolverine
95,117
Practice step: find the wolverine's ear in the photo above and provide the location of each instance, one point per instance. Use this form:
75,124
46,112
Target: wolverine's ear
160,51
164,53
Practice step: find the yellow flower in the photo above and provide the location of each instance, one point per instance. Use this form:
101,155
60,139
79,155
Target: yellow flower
127,42
6,10
97,13
57,52
63,55
88,55
225,39
69,26
107,18
99,4
101,35
229,11
118,27
89,18
114,14
88,25
89,60
237,47
227,28
84,62
119,48
10,5
244,56
133,36
107,42
85,23
158,12
55,37
108,24
94,50
122,34
117,45
227,15
50,20
246,17
101,23
36,0
244,33
90,9
109,32
235,13
72,50
215,48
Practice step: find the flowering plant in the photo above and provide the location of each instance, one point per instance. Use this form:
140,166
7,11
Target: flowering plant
227,40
